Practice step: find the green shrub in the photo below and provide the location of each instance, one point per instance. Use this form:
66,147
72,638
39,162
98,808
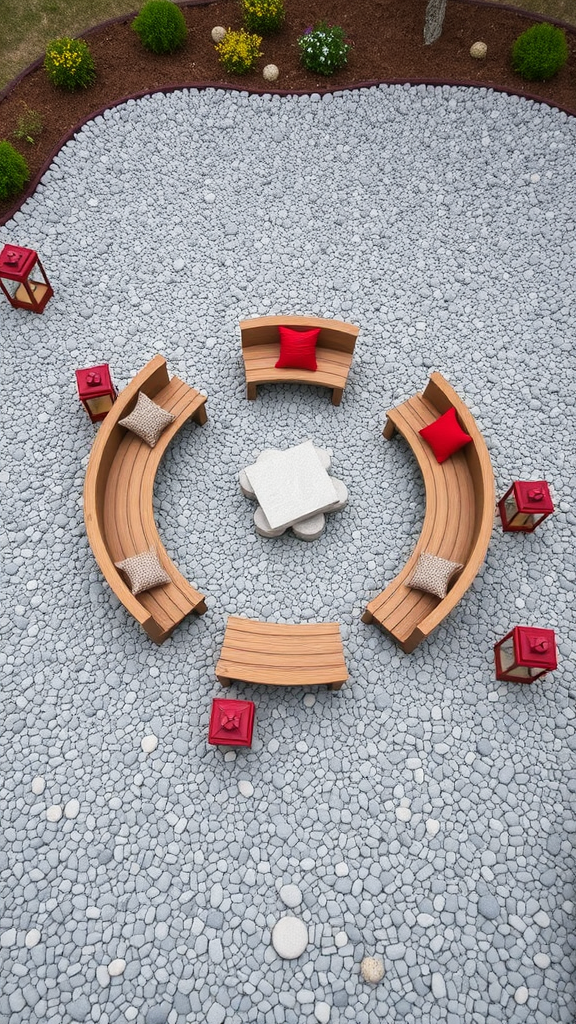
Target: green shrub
14,171
263,16
323,49
161,26
540,52
30,125
69,64
239,51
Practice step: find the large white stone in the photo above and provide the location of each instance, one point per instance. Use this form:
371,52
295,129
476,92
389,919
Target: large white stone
32,938
245,787
289,937
116,967
38,785
149,744
54,813
521,995
432,827
291,895
542,960
438,985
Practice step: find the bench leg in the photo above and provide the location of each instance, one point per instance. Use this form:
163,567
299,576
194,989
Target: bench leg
335,686
337,395
200,608
367,617
200,416
251,392
389,429
224,681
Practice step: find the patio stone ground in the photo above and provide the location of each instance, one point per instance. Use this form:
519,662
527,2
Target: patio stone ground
424,812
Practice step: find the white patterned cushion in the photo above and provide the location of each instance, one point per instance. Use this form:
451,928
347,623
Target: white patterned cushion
143,571
147,419
433,574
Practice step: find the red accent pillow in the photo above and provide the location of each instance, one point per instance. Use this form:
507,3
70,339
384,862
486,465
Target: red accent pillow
297,349
445,436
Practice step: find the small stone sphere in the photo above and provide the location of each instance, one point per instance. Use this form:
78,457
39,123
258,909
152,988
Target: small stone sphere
478,50
270,72
372,969
218,33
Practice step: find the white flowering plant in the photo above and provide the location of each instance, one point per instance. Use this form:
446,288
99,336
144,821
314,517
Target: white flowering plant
323,49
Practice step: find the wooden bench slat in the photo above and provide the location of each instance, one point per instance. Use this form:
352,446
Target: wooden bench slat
458,519
315,676
277,629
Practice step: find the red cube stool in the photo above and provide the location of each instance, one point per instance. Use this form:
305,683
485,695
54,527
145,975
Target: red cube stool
231,723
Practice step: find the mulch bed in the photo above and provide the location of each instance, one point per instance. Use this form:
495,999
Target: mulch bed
387,45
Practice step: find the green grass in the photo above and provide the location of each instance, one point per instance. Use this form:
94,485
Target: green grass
28,25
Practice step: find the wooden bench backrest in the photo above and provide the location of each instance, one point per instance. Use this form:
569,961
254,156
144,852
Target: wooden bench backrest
440,393
334,334
151,379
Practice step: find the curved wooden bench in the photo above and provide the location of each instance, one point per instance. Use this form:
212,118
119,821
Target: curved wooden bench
460,502
261,349
118,493
280,654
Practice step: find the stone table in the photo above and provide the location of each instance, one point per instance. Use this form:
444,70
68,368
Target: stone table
293,489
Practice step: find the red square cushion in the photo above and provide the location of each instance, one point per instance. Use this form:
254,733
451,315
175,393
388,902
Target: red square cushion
297,349
445,436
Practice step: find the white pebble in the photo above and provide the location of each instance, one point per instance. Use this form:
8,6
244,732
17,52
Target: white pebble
403,813
291,895
322,1012
271,72
72,809
245,787
93,913
340,939
38,785
542,919
372,969
342,869
309,700
54,813
521,995
432,827
116,967
218,33
32,938
542,960
289,937
149,744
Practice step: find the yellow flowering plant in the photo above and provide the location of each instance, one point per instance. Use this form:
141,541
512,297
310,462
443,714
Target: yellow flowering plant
264,16
239,51
69,64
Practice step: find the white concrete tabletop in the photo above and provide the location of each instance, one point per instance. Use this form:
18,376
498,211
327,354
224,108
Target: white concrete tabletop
291,485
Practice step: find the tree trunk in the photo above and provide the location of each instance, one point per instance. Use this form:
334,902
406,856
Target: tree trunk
435,12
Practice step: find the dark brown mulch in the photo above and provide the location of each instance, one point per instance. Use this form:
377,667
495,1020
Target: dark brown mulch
387,45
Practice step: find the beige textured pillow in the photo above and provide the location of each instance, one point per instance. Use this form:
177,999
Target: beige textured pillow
433,574
147,419
143,571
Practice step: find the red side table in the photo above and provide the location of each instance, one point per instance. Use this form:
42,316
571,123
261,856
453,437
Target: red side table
231,723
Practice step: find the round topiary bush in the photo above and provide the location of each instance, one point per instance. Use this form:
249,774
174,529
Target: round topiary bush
69,64
161,26
263,16
239,51
540,52
323,49
14,171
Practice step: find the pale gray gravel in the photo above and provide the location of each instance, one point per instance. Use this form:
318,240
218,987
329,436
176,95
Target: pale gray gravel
442,221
